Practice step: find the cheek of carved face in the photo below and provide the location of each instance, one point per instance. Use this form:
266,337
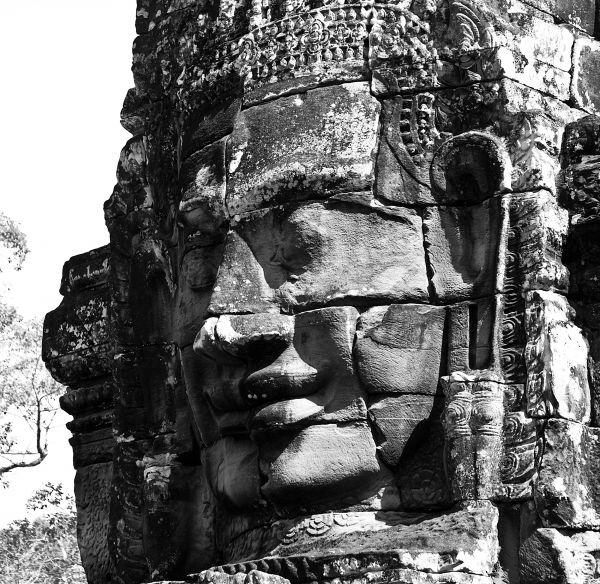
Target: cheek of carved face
399,354
199,267
232,470
318,254
400,349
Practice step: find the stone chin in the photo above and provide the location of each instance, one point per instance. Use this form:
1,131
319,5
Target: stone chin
295,465
319,467
297,470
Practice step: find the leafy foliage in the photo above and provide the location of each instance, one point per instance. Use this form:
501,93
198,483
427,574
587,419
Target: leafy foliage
43,550
14,240
13,244
28,396
7,315
50,495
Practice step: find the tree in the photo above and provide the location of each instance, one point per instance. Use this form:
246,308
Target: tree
28,395
43,550
14,245
13,240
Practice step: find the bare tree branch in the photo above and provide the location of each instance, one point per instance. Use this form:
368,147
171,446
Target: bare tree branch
28,395
23,464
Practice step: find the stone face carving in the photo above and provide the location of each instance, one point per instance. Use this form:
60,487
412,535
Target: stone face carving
347,326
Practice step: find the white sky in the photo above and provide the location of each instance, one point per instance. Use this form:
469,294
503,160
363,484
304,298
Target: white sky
65,74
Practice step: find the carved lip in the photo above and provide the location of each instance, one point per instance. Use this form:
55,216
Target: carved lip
277,395
281,394
286,413
282,380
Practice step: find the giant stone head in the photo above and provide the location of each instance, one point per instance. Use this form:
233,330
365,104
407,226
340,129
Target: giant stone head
334,335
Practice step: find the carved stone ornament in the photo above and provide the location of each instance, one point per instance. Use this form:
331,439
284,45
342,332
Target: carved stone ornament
347,325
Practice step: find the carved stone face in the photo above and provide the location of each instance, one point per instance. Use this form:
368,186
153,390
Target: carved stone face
341,222
322,339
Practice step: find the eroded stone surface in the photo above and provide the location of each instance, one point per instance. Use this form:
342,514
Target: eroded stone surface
402,353
586,62
307,146
557,353
469,554
399,419
462,247
300,256
567,490
554,556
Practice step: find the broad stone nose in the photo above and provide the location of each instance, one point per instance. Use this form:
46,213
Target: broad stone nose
242,344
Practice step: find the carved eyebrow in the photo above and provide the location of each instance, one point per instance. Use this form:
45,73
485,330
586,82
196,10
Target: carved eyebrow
366,201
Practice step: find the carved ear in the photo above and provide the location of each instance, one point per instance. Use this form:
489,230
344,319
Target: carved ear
470,168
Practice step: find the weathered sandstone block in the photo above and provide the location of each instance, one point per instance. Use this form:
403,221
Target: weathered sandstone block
553,556
566,492
307,146
557,353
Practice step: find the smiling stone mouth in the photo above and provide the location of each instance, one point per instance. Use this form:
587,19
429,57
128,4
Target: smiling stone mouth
298,411
287,378
275,396
282,395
